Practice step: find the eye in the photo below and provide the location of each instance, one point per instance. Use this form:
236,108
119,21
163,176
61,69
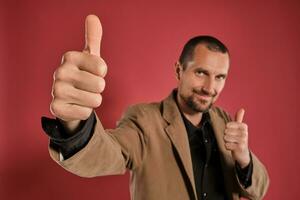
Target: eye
220,77
199,73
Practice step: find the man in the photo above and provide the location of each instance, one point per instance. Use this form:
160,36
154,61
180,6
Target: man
180,148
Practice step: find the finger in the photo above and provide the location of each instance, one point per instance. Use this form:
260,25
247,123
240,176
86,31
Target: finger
93,35
234,132
232,139
236,125
240,115
85,62
231,146
94,84
69,112
80,79
67,93
83,98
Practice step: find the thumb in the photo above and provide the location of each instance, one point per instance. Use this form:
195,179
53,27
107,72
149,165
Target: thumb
239,115
93,35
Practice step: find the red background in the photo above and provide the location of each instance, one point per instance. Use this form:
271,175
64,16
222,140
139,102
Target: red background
141,42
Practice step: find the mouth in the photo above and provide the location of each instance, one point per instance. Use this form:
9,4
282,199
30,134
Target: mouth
202,97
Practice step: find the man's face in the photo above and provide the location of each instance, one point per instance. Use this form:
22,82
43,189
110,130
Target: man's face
200,84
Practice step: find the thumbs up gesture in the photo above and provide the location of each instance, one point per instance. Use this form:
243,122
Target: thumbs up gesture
79,80
236,139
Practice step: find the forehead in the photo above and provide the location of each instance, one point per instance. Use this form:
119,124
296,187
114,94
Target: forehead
217,62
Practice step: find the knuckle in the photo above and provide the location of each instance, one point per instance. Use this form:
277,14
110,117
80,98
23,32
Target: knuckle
57,90
245,134
68,56
97,100
103,69
226,137
245,126
55,108
97,60
100,66
60,74
100,84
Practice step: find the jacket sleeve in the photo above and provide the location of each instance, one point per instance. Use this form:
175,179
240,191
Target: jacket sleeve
259,181
67,144
108,152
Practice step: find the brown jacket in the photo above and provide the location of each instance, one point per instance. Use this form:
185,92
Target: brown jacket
151,141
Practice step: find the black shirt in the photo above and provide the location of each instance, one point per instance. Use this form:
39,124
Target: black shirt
205,158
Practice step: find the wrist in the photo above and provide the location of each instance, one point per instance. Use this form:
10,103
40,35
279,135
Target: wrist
245,160
71,127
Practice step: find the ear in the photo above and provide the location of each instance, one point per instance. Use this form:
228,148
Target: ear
178,70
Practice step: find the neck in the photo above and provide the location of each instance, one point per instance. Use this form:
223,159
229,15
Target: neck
193,116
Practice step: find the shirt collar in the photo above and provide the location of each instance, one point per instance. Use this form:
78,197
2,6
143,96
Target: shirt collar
205,120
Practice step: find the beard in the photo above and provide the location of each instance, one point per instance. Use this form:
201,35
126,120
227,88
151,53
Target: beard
196,104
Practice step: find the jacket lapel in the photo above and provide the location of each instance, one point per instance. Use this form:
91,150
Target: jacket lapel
176,131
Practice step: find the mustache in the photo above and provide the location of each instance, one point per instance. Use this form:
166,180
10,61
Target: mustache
203,92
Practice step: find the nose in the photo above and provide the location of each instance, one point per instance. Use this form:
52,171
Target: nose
208,86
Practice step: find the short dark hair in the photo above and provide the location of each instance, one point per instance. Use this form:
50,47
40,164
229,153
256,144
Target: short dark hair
210,42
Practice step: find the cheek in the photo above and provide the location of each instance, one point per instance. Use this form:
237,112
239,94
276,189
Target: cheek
218,90
215,98
196,82
220,86
185,82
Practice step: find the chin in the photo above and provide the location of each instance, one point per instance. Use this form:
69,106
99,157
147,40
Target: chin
204,109
200,106
203,105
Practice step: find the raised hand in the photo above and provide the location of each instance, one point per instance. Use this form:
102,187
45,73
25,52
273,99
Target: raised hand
79,80
236,139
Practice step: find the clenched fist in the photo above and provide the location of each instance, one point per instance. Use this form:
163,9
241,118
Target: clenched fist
236,139
79,80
